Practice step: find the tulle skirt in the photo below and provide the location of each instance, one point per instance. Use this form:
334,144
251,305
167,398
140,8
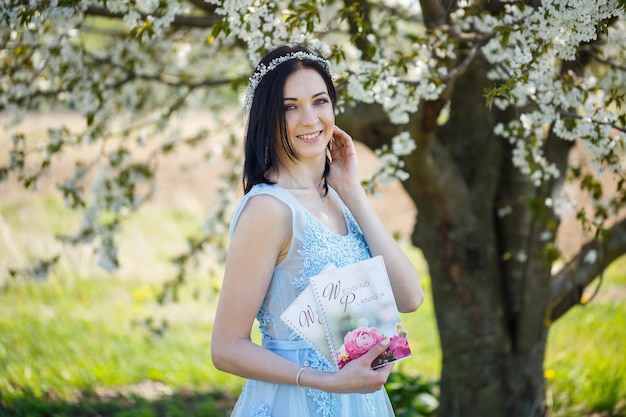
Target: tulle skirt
263,399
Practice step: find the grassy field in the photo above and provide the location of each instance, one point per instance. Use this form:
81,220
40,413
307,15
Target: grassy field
586,360
81,334
84,336
84,343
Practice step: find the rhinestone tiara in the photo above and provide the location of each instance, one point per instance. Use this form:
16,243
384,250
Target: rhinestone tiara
263,69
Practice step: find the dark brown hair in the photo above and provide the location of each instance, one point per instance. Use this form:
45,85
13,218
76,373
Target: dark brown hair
267,115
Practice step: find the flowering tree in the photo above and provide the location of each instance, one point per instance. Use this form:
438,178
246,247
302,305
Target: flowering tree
474,104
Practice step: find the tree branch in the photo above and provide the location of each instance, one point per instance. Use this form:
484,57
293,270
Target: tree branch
572,115
434,13
204,6
568,283
358,16
460,68
205,21
591,52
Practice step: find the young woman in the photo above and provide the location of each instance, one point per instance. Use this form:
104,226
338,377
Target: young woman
303,208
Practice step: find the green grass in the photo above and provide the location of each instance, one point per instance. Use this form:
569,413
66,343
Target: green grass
66,339
586,361
422,329
59,339
615,274
68,334
81,330
181,404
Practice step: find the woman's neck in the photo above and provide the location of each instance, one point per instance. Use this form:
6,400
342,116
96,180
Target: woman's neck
300,179
299,175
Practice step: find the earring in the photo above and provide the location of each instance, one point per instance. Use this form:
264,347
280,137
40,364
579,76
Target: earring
266,155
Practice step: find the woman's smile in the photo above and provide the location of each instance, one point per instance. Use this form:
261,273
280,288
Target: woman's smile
311,137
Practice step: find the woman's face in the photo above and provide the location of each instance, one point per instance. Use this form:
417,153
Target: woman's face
309,113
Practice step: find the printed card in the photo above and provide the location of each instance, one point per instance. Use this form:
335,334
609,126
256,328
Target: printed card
360,310
304,317
346,311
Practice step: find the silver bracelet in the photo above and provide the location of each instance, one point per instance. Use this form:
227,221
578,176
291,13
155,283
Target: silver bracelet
300,373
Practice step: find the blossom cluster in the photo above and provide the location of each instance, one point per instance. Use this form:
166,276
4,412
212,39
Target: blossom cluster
130,83
128,86
529,52
391,163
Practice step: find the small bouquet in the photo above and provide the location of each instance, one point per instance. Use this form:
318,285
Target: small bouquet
359,341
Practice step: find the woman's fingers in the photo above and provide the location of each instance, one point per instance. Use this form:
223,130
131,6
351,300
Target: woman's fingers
368,379
376,351
342,139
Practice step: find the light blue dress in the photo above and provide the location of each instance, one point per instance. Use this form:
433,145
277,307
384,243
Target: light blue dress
313,246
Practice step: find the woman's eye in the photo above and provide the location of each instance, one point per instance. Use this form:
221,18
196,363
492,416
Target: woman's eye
289,107
321,101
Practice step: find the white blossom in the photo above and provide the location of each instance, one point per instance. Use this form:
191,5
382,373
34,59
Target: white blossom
402,144
504,211
545,236
524,48
591,257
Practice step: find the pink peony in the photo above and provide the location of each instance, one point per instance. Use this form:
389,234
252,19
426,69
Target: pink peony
360,340
399,347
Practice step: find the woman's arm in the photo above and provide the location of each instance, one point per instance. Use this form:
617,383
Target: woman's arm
261,238
344,178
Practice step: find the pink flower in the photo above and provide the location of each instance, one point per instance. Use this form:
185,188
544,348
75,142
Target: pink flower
399,347
342,360
360,340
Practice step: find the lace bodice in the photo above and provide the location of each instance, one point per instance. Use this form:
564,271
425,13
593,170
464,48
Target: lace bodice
313,246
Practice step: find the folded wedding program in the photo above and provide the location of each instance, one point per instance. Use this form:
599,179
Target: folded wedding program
346,311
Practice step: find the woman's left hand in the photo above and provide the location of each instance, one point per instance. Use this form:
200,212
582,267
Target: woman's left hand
344,168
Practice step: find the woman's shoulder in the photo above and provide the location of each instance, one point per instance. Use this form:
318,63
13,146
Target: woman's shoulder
266,203
273,190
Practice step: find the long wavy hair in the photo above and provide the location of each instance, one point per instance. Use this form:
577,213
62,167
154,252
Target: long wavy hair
267,127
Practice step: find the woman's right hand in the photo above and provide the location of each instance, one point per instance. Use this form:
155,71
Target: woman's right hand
358,375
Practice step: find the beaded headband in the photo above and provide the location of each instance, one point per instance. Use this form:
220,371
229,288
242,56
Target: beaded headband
263,69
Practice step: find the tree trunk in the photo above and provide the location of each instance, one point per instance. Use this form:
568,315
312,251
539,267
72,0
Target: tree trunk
488,237
490,280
